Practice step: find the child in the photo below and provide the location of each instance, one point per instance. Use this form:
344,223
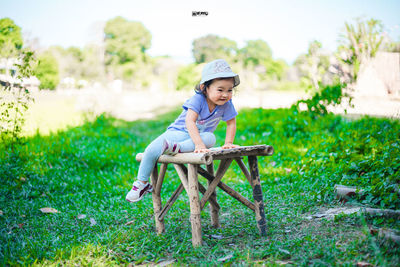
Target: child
193,129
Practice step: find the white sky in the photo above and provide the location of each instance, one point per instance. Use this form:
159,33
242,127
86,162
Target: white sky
286,25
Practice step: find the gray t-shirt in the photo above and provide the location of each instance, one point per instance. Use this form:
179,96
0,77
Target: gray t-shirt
207,121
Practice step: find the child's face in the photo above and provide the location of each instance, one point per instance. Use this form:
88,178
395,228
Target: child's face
220,91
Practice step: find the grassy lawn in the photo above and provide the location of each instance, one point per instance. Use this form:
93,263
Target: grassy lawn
88,169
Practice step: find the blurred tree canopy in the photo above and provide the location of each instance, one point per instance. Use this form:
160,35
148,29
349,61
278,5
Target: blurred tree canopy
10,38
80,63
255,52
211,47
122,55
276,69
125,45
47,71
187,77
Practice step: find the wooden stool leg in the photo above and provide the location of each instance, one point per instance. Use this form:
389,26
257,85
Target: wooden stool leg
194,205
258,195
213,209
157,205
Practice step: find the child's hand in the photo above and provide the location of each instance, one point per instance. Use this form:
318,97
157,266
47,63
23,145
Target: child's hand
201,149
229,146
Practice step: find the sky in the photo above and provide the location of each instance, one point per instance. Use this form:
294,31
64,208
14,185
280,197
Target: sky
288,26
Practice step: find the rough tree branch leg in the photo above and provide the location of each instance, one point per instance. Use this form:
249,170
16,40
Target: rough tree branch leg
194,201
213,208
258,196
157,205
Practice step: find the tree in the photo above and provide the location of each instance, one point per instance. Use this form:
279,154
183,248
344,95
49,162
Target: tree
125,45
256,52
313,66
275,69
211,47
187,77
47,71
360,43
10,38
79,63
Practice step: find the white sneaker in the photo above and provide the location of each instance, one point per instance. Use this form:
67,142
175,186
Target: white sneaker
171,148
138,191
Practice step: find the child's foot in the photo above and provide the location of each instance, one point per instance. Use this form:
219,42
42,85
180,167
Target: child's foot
138,191
171,148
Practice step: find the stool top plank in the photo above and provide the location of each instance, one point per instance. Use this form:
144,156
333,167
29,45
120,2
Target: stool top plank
214,154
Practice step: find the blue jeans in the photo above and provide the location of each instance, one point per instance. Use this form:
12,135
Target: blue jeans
155,149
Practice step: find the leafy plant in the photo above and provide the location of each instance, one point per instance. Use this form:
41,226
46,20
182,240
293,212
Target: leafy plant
360,43
329,95
15,99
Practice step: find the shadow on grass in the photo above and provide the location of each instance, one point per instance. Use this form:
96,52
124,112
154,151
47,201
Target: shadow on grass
85,172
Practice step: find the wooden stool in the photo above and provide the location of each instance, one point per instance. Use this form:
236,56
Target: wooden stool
189,181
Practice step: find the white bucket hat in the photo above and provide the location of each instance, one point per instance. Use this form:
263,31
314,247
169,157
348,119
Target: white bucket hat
218,68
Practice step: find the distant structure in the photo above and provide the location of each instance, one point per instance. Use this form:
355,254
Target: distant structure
380,76
8,73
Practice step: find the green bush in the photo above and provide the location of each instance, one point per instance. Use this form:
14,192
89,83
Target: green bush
329,95
47,71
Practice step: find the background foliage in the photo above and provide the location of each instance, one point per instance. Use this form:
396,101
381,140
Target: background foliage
10,38
47,71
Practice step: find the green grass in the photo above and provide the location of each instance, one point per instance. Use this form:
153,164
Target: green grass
89,169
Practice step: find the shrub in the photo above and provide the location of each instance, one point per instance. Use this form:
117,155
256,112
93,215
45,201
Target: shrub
15,99
47,72
329,95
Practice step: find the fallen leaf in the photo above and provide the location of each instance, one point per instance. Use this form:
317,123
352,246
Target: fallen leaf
363,263
284,262
284,251
165,263
22,179
92,222
219,237
288,170
81,216
1,212
20,225
130,222
48,210
373,231
225,258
